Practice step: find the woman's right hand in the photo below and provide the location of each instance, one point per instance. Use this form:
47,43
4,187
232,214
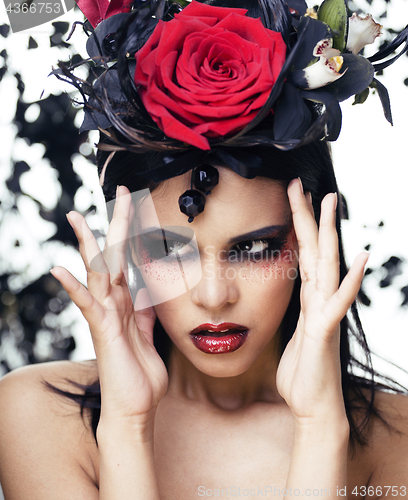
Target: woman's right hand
132,375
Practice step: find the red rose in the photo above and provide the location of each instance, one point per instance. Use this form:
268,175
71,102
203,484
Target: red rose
208,72
98,10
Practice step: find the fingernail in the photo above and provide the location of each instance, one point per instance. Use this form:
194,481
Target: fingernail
335,201
309,196
117,190
301,185
68,218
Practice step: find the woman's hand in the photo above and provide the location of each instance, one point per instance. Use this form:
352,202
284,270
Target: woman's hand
132,375
309,373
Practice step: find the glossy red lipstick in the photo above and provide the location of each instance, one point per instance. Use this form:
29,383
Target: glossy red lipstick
219,339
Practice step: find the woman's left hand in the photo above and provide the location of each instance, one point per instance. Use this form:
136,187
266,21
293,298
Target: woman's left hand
309,372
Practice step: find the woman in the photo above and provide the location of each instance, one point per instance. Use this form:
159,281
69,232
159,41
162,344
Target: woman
250,395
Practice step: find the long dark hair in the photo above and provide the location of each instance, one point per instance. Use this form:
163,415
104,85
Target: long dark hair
313,164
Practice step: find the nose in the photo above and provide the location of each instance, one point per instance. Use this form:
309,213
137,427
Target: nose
217,288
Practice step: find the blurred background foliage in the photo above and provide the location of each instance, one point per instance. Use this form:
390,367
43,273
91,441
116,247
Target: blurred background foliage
36,322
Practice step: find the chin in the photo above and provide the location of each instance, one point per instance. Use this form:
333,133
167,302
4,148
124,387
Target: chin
225,365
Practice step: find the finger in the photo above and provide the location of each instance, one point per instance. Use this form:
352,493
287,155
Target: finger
337,307
328,266
306,231
145,314
96,268
117,238
91,309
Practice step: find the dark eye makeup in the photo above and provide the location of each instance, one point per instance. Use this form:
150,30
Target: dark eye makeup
178,242
257,250
171,242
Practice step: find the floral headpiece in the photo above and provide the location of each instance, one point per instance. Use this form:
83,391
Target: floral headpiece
197,81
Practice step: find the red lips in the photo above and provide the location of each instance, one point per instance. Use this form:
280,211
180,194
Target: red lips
218,339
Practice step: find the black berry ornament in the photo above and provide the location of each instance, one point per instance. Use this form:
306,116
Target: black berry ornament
108,44
205,178
192,203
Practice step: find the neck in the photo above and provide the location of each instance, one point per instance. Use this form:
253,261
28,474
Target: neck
255,385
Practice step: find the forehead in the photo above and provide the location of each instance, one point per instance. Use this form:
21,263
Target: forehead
235,202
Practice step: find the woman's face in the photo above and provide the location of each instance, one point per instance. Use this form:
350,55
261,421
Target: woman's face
221,284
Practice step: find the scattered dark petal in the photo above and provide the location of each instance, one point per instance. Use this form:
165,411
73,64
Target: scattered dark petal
404,291
3,71
381,224
367,247
363,297
392,269
384,98
4,30
32,44
60,27
20,83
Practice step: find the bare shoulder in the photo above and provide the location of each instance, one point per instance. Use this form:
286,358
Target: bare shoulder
44,441
388,444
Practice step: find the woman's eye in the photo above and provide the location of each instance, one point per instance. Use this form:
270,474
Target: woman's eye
166,243
252,246
256,250
181,249
167,249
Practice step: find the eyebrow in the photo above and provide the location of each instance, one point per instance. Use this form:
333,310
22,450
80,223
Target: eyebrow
257,234
263,232
162,232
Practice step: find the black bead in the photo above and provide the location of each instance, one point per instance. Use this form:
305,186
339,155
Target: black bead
192,203
205,177
108,44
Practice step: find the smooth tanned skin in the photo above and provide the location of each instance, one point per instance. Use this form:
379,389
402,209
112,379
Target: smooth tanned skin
47,452
222,422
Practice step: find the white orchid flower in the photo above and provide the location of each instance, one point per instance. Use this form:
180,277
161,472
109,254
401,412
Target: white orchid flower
362,31
326,69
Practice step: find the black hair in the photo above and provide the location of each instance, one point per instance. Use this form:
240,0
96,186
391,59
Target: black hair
313,164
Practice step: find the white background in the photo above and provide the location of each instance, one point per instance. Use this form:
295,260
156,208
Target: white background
370,162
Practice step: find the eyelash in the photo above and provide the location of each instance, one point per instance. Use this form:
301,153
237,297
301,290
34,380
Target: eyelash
273,245
170,250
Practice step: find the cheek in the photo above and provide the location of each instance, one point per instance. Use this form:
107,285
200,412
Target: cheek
163,279
157,274
282,266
